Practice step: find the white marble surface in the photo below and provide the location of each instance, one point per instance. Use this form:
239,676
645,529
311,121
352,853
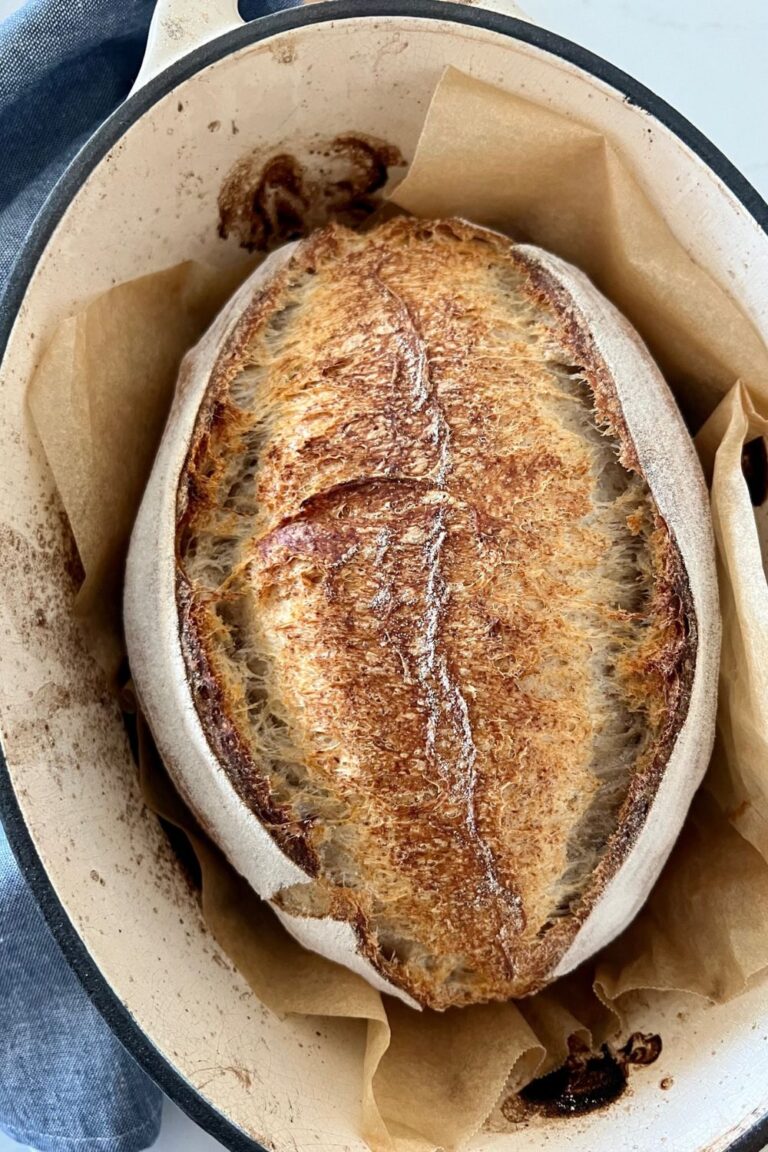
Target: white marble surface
707,59
704,57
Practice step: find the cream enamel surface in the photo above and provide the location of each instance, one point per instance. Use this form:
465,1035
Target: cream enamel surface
76,783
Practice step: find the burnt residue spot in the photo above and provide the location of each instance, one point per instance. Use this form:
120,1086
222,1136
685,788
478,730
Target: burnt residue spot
214,126
641,1048
267,200
585,1082
279,203
754,465
588,1079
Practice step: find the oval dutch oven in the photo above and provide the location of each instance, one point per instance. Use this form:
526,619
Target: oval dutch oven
68,790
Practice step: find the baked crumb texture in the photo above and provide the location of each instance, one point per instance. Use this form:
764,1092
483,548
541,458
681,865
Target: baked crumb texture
437,633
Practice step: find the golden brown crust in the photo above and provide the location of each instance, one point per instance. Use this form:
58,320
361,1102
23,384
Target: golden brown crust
674,664
386,631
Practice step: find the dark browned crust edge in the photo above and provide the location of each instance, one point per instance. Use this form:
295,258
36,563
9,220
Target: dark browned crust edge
225,742
219,727
231,752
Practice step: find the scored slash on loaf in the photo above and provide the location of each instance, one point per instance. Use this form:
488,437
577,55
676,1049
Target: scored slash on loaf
421,606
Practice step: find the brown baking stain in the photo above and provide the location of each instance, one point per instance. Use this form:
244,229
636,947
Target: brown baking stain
588,1080
754,465
641,1049
515,1110
39,578
666,1083
739,811
242,1075
266,200
283,51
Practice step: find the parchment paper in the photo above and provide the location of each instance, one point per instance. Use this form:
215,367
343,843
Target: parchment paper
528,171
99,399
740,765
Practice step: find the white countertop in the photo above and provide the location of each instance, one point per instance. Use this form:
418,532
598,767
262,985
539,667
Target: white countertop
707,59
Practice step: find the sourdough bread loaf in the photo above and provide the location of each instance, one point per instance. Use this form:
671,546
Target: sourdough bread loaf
421,606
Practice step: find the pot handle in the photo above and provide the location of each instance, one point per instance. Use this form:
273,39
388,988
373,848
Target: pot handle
180,26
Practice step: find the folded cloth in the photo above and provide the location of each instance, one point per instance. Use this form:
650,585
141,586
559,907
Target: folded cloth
66,1083
65,1080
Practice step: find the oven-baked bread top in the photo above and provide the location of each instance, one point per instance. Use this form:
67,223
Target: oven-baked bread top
438,635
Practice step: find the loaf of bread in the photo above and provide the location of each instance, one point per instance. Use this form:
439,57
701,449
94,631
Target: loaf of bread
421,606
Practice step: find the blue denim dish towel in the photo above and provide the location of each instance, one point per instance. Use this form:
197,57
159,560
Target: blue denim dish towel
66,1083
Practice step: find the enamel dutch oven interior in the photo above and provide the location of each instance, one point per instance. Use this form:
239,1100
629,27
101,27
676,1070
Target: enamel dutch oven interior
142,196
